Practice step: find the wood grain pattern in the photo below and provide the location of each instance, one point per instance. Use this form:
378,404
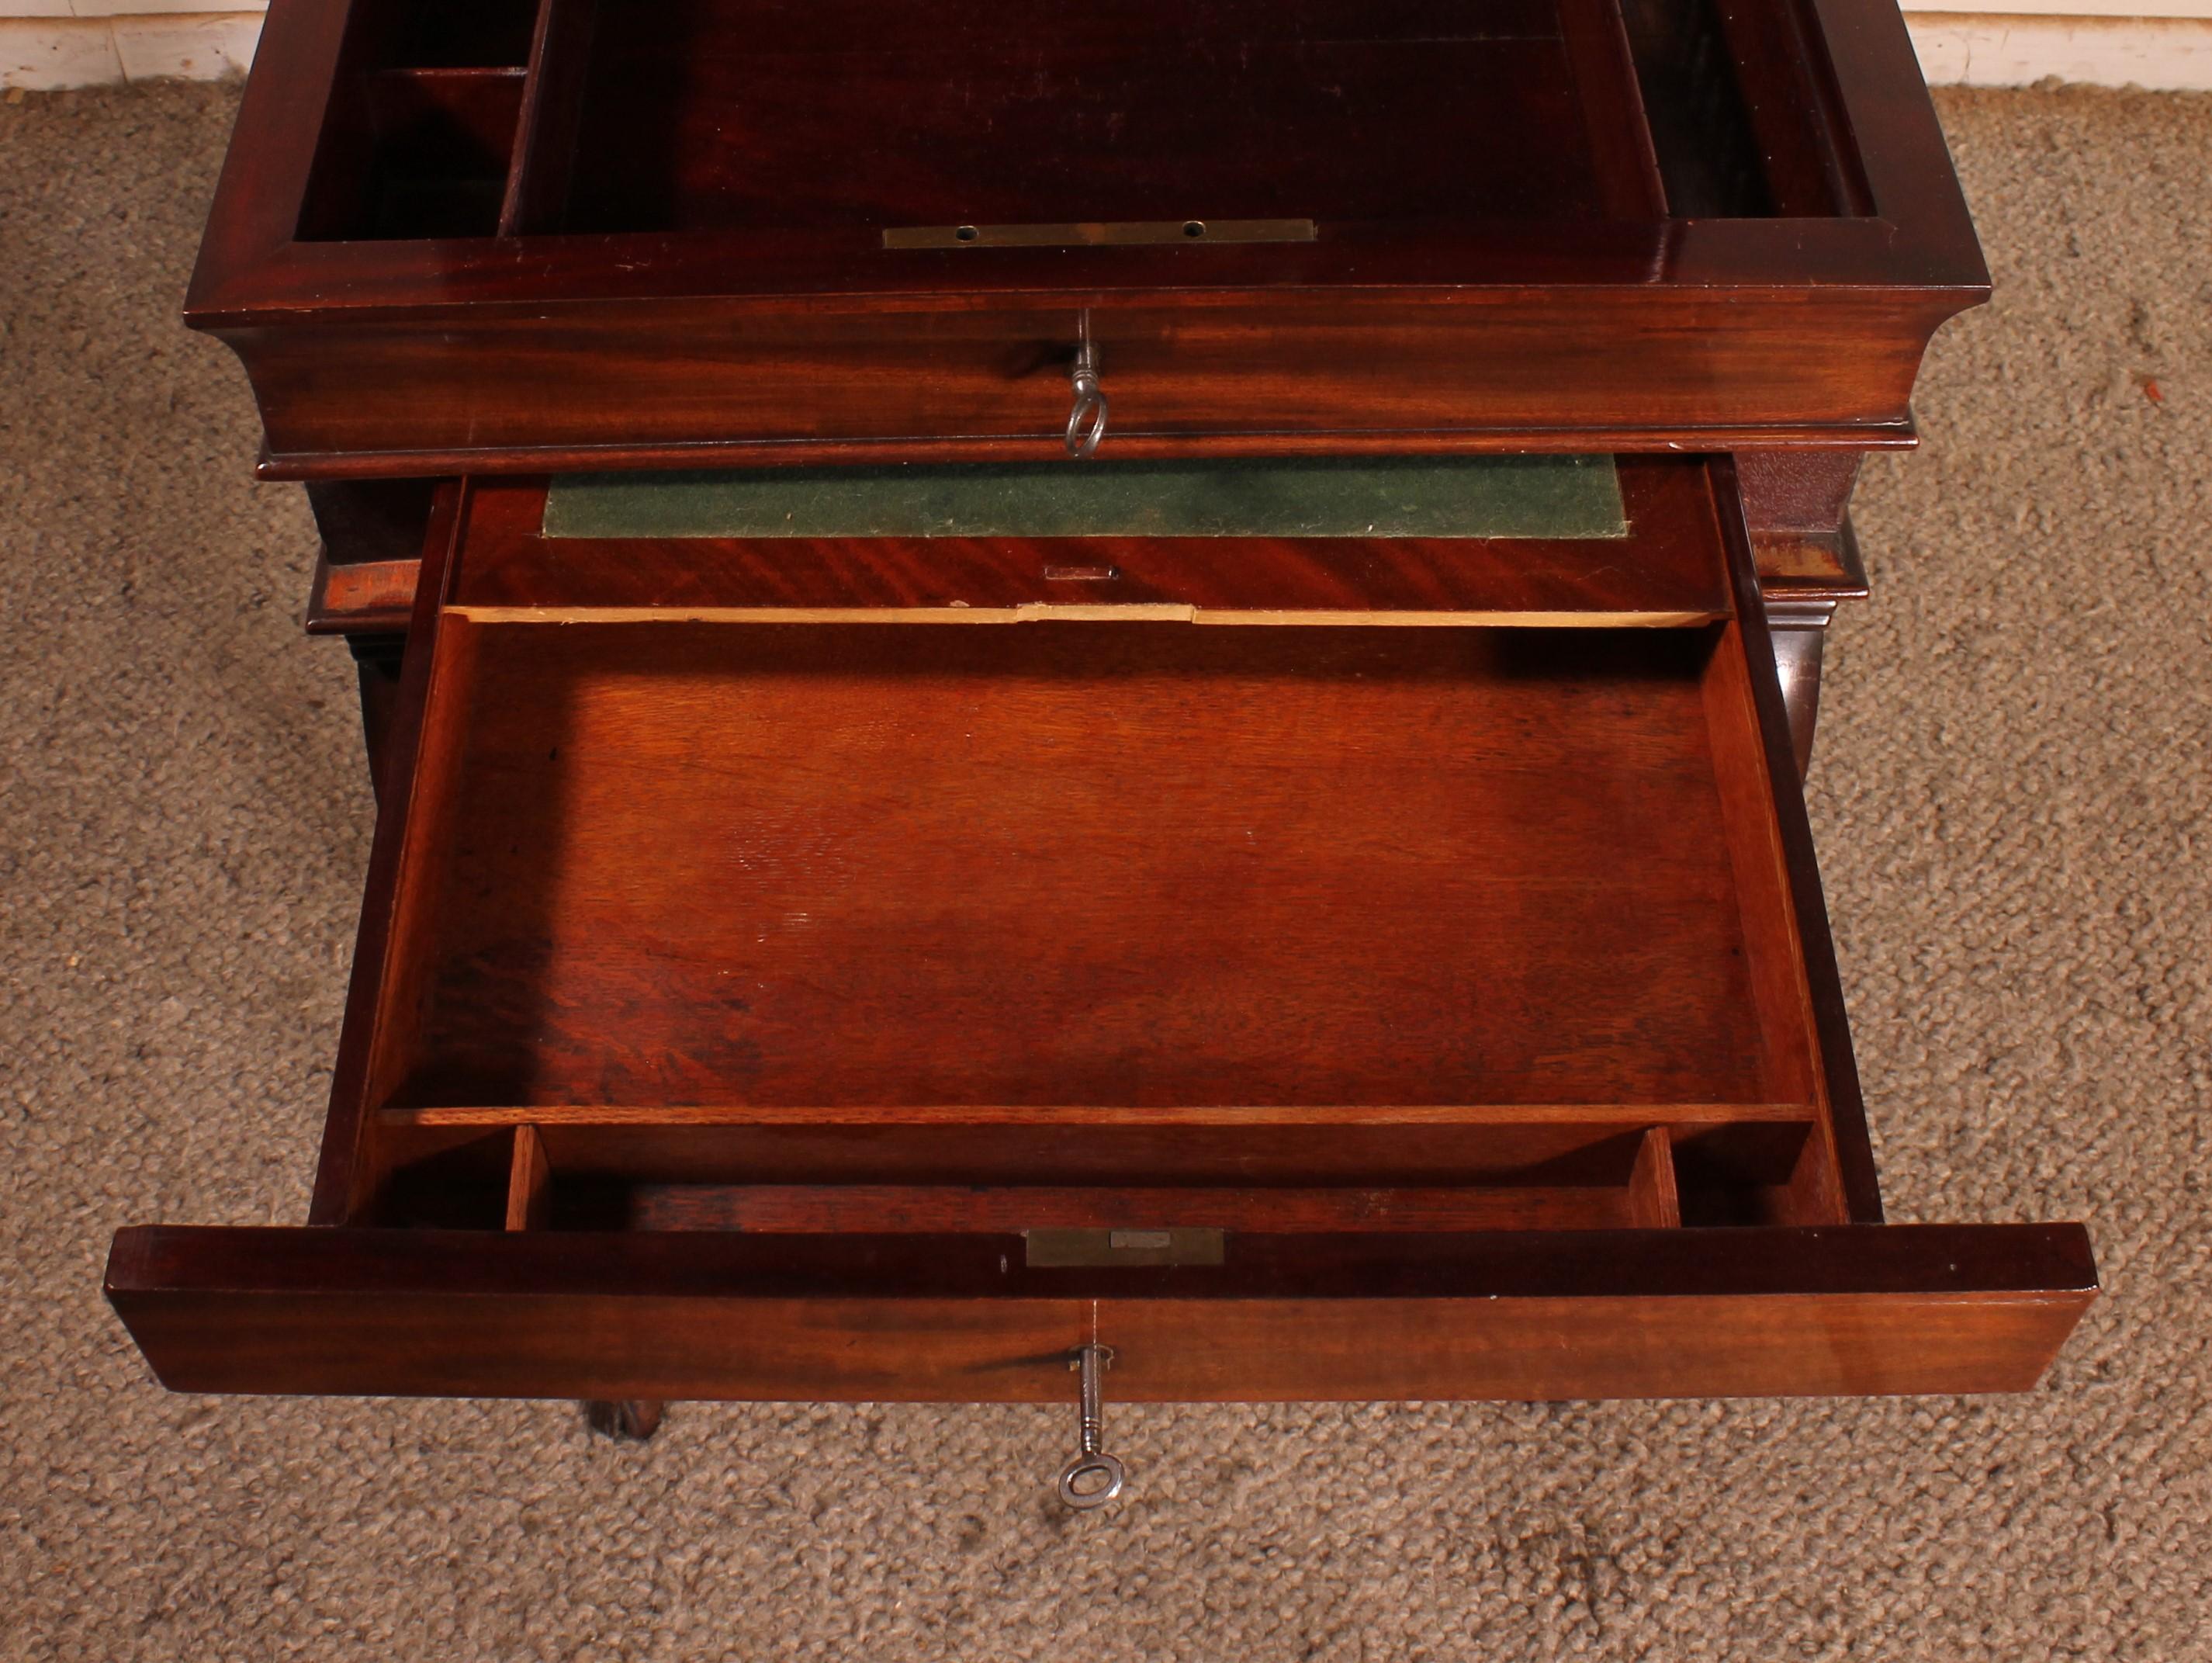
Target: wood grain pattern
1613,1116
1852,1166
1613,111
1450,970
735,294
1652,1201
505,549
908,1318
346,1173
1015,112
1126,862
696,383
734,1135
371,597
803,1299
411,466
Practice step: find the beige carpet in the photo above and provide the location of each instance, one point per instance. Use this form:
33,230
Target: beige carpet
2013,792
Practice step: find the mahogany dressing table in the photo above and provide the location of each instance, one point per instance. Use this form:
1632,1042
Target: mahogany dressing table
1117,683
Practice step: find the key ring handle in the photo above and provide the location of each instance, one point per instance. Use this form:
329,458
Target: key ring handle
1091,1481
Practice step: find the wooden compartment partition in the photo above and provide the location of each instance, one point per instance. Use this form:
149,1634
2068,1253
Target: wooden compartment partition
420,135
757,969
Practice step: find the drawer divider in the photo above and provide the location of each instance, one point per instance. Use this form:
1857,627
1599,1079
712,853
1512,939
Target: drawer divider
1652,1203
530,1182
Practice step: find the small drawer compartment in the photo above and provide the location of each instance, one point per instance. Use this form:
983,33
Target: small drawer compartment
420,132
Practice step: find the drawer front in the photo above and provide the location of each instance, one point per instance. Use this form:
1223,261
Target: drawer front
681,1315
605,386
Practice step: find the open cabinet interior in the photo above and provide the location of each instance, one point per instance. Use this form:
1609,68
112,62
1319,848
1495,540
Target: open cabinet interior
854,120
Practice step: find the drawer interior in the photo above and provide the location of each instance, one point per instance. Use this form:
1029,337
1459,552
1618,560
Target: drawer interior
1142,863
715,917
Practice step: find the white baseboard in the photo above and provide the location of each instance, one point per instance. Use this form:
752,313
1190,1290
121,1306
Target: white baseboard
1979,42
45,54
2018,49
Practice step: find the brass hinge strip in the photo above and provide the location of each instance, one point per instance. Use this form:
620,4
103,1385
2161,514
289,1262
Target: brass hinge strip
1100,233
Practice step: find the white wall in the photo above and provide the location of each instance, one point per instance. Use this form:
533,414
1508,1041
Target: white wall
1989,43
2165,44
45,44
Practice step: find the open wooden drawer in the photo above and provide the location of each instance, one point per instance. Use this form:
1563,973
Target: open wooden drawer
844,969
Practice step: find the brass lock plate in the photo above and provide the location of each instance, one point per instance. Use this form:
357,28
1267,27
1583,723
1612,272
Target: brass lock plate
1070,1249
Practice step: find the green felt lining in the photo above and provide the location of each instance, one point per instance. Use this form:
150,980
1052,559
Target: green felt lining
1488,497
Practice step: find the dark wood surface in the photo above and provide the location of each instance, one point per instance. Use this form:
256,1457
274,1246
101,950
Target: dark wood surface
693,384
1795,503
1792,840
845,115
365,582
1743,1148
345,1172
847,1209
888,1318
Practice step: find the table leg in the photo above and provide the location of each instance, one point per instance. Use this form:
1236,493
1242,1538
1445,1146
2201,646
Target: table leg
376,660
1799,630
633,1420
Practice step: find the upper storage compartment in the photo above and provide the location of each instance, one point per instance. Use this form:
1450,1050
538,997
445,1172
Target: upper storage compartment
1230,119
536,232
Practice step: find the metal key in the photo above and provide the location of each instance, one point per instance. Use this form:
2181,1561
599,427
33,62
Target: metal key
1093,1477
